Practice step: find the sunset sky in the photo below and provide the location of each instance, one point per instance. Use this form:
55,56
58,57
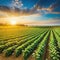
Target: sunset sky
33,12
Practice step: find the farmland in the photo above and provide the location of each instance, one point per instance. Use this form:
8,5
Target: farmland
29,43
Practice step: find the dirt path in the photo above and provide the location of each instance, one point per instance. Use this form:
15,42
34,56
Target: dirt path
46,53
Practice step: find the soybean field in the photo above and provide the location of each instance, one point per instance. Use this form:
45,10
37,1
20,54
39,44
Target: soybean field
29,43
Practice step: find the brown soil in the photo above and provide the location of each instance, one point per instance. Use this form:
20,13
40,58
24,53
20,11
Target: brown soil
46,53
12,57
31,58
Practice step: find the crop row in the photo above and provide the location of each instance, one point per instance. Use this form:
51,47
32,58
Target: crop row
53,49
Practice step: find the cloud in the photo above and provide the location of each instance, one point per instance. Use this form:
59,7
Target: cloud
49,9
45,22
17,4
54,5
36,10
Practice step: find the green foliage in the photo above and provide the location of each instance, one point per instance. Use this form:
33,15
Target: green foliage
30,41
53,49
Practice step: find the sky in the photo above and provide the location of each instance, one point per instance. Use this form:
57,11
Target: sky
32,12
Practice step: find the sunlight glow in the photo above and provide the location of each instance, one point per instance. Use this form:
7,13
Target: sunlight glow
13,22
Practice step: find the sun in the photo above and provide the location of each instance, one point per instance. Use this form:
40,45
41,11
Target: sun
13,22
